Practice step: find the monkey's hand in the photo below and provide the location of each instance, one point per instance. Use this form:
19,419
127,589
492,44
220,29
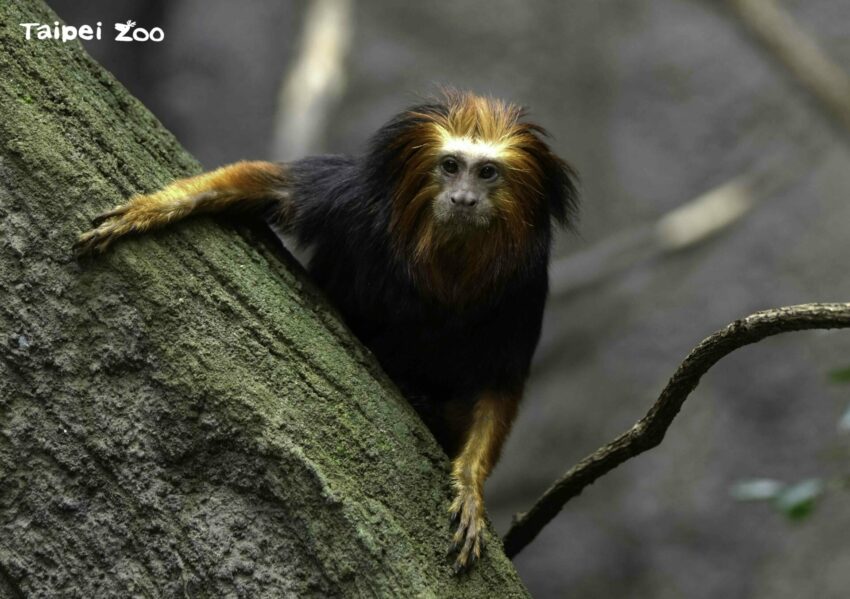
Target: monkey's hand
109,226
143,213
467,513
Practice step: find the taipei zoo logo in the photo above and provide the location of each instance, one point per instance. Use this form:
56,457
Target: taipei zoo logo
124,32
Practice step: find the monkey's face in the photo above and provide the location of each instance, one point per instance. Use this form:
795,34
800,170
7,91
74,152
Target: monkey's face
468,183
474,190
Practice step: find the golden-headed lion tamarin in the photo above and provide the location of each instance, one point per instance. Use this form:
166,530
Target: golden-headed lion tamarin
434,246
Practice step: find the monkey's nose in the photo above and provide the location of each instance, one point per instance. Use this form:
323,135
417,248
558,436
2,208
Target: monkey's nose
464,198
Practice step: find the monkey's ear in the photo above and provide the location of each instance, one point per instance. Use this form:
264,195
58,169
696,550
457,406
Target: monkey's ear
559,179
392,145
561,189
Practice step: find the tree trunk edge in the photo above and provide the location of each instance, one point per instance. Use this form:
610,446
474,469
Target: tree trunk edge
179,417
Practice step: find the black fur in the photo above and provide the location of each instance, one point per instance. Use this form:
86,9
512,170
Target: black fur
435,353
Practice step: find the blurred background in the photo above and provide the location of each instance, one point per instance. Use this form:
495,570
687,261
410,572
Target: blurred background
714,183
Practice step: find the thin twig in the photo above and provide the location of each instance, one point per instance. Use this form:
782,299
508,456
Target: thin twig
827,83
693,222
649,431
800,54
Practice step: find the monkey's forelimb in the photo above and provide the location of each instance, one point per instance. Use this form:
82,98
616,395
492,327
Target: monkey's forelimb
239,187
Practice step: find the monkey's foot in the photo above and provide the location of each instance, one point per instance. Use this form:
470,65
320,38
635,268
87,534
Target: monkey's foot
109,226
467,511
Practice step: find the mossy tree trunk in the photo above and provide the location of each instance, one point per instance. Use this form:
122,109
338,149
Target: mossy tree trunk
184,417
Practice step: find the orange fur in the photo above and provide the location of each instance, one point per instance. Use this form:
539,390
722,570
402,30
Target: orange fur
241,186
461,270
487,427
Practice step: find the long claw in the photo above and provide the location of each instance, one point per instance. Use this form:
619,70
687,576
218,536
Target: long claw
101,218
466,515
108,227
83,245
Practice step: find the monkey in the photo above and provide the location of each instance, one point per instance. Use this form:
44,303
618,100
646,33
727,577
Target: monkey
433,244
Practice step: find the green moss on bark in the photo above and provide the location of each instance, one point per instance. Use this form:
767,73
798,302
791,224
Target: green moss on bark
184,416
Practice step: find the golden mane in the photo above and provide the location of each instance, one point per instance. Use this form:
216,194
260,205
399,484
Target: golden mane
459,269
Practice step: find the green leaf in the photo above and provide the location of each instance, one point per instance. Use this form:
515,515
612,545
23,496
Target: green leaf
797,501
841,375
756,489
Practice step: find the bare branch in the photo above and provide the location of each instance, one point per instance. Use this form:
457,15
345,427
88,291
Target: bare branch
649,431
718,209
316,81
798,52
693,222
689,224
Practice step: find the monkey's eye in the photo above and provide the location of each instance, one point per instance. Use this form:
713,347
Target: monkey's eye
450,166
487,172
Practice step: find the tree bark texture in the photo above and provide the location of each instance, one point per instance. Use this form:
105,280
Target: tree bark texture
184,416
